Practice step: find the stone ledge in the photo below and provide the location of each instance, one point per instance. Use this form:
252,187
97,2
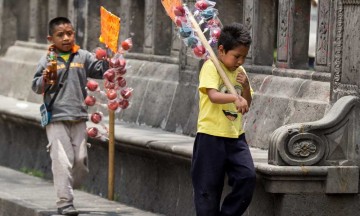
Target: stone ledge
277,179
309,179
137,136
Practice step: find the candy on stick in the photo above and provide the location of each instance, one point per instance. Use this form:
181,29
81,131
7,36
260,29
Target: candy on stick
100,53
123,103
121,82
94,132
109,75
126,93
90,100
113,105
127,44
111,94
92,85
109,85
204,13
96,118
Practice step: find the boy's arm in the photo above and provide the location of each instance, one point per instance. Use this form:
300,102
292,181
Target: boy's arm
223,98
38,83
95,68
246,94
242,78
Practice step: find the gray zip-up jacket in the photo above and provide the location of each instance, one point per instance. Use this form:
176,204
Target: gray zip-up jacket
69,104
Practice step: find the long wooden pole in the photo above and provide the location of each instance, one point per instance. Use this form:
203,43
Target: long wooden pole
111,174
211,52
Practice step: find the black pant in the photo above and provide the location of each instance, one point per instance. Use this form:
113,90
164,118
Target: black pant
212,158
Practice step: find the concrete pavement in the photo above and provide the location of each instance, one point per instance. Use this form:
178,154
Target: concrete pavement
25,195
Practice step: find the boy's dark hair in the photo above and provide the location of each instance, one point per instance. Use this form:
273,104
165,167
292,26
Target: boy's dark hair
234,35
57,21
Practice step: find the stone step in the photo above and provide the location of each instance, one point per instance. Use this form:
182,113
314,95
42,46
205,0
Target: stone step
22,194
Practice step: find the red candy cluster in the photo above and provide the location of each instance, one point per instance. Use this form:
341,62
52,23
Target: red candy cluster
114,90
206,16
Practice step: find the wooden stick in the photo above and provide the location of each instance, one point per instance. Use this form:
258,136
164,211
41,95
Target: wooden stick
213,57
111,173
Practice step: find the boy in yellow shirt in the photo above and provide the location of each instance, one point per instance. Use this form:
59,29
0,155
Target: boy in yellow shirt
220,146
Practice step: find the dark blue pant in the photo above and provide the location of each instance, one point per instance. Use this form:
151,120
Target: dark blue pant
213,157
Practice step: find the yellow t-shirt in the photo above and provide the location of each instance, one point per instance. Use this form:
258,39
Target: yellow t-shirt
65,56
218,119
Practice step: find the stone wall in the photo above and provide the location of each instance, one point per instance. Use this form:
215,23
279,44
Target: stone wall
164,74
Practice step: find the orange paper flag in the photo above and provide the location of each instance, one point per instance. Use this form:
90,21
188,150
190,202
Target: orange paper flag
110,29
169,6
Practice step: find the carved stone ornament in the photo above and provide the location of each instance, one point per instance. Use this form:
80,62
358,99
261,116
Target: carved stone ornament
331,140
303,149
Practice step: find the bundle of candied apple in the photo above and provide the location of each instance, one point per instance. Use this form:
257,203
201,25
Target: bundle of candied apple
114,91
207,17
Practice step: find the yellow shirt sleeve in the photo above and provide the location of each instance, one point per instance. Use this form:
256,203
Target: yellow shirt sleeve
209,77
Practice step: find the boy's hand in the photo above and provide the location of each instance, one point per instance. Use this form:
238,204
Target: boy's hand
50,47
241,105
45,74
242,79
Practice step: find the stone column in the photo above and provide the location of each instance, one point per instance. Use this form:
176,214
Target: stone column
293,34
260,19
38,21
71,10
53,9
80,21
346,56
230,11
132,23
324,36
34,20
158,29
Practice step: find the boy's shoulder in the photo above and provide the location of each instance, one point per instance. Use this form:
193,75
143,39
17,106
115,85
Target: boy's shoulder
208,64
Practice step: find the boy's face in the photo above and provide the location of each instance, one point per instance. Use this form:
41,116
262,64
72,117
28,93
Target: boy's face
233,58
63,37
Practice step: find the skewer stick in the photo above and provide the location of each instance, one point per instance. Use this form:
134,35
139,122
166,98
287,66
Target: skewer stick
213,57
111,155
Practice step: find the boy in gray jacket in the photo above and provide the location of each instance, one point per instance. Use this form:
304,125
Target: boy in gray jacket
66,131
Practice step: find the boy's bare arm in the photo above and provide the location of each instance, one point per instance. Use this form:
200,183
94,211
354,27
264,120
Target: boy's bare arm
222,98
244,81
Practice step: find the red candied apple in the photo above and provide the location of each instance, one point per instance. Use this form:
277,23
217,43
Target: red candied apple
120,71
114,62
92,85
201,5
213,22
126,93
90,100
127,44
179,21
123,103
109,85
199,51
92,132
179,11
109,75
111,94
121,81
216,33
122,64
113,105
96,117
100,54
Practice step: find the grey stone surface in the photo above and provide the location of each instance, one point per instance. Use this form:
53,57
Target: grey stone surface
160,100
22,194
282,96
152,166
279,101
332,140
